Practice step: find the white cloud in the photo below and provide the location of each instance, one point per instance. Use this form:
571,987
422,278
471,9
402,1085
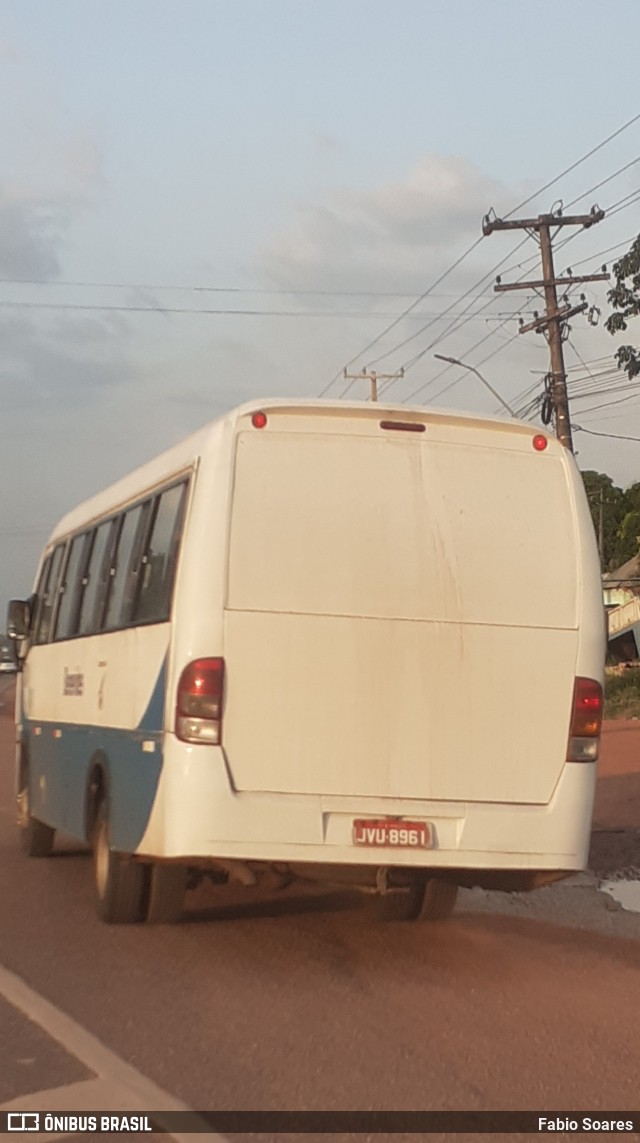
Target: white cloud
29,238
58,179
81,166
393,237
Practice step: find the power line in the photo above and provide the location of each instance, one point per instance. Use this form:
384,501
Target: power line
601,253
456,327
615,416
432,345
609,212
607,404
458,324
593,390
483,361
591,361
215,289
571,368
90,306
595,433
385,331
573,166
602,183
625,205
521,409
555,318
588,393
591,378
583,363
581,388
474,245
614,205
447,368
445,312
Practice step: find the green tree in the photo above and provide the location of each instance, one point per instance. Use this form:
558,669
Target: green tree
608,508
624,296
627,542
632,497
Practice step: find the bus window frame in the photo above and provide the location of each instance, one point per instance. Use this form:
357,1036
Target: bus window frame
139,548
64,544
173,550
80,580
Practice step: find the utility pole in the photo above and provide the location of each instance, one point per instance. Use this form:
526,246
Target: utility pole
556,316
373,377
598,498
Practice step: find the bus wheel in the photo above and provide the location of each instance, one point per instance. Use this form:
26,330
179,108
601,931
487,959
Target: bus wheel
401,904
167,888
36,838
438,901
119,881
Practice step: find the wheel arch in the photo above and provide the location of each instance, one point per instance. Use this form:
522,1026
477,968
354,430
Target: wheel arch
97,789
21,763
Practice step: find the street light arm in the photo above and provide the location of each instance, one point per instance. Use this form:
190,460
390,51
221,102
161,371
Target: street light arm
472,369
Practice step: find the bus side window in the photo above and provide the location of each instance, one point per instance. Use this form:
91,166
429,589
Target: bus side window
96,579
71,589
47,607
125,573
40,594
154,599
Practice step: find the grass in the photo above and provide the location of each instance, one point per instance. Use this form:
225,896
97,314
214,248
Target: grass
622,695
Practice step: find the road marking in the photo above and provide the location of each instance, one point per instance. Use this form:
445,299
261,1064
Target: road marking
118,1086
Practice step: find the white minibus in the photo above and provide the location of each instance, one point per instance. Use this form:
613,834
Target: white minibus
346,642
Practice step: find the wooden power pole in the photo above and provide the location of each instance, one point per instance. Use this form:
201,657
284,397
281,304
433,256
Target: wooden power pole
552,323
374,378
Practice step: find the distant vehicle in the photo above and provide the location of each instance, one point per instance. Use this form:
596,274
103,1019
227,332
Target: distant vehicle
8,662
348,642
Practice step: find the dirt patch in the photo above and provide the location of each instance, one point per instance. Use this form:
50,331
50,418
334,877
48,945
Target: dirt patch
617,805
7,696
615,852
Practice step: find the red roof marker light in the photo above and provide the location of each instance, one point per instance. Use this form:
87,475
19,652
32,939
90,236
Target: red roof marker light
259,420
540,442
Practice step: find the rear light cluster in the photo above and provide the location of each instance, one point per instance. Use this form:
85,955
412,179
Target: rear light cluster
199,702
586,721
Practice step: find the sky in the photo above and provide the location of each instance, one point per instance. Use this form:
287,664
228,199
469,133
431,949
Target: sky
207,201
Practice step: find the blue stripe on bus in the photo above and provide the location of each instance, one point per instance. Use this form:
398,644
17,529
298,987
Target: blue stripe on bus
153,716
59,770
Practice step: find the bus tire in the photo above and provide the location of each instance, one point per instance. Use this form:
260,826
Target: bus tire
36,838
438,900
401,904
167,889
119,881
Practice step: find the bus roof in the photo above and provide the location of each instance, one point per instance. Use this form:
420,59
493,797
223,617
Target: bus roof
183,455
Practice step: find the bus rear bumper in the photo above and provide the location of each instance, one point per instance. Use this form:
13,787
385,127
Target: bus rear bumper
198,817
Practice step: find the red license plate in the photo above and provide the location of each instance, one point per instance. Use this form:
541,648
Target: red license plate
391,833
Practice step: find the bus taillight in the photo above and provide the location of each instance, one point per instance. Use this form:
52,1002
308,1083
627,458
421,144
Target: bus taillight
586,721
199,702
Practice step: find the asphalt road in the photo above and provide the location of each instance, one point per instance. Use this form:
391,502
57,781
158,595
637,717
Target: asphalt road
306,1002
